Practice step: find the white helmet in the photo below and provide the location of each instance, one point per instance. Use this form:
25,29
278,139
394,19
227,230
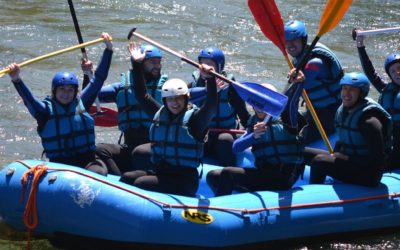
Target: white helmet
174,87
269,86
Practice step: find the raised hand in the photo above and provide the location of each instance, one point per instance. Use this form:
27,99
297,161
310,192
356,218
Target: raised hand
135,52
107,40
14,72
360,41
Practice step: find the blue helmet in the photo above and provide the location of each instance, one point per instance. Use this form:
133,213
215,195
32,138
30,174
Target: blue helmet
356,80
390,60
295,29
64,78
151,51
214,54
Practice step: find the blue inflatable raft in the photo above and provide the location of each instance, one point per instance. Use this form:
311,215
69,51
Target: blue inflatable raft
77,206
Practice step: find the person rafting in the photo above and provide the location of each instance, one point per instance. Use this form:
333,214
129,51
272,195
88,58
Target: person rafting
65,127
322,71
133,122
389,92
230,108
364,142
177,134
276,144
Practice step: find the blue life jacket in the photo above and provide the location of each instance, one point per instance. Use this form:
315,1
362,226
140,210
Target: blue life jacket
276,146
348,130
390,101
67,132
226,116
171,141
325,91
130,113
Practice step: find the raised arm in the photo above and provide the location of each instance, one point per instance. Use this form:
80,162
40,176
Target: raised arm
36,107
148,103
367,65
200,120
89,94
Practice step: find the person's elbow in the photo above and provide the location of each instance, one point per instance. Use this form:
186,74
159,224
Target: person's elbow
236,148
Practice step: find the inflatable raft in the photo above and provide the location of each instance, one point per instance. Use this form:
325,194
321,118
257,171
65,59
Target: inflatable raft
74,207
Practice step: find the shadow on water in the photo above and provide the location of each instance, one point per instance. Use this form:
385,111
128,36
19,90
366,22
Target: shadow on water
15,240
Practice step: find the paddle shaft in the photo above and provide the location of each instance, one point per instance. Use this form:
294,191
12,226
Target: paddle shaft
310,106
377,31
77,29
83,50
183,58
52,54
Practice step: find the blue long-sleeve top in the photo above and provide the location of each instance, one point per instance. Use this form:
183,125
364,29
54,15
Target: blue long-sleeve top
38,109
289,119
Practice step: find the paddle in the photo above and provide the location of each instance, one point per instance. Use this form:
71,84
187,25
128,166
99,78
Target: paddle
374,32
104,117
268,17
266,99
331,16
52,54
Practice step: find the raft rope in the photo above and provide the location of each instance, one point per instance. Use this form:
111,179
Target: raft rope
226,209
30,212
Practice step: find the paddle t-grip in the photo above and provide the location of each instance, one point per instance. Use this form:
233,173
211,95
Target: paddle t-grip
131,33
354,34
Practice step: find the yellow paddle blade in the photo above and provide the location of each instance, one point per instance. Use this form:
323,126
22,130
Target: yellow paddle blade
52,54
333,13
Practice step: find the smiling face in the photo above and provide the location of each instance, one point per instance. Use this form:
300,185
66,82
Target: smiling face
176,104
65,94
294,47
350,95
394,71
153,66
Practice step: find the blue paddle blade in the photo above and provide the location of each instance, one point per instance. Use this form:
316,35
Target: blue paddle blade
261,97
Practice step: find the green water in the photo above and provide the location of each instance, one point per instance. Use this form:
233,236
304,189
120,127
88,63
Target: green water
35,27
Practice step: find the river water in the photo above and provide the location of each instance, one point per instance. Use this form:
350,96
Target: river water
31,28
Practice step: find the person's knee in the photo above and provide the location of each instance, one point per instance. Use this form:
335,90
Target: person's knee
103,151
225,138
212,178
97,166
127,177
318,160
226,173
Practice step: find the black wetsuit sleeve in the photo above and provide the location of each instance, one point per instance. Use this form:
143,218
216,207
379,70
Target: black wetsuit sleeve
239,105
201,118
370,71
372,130
148,103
